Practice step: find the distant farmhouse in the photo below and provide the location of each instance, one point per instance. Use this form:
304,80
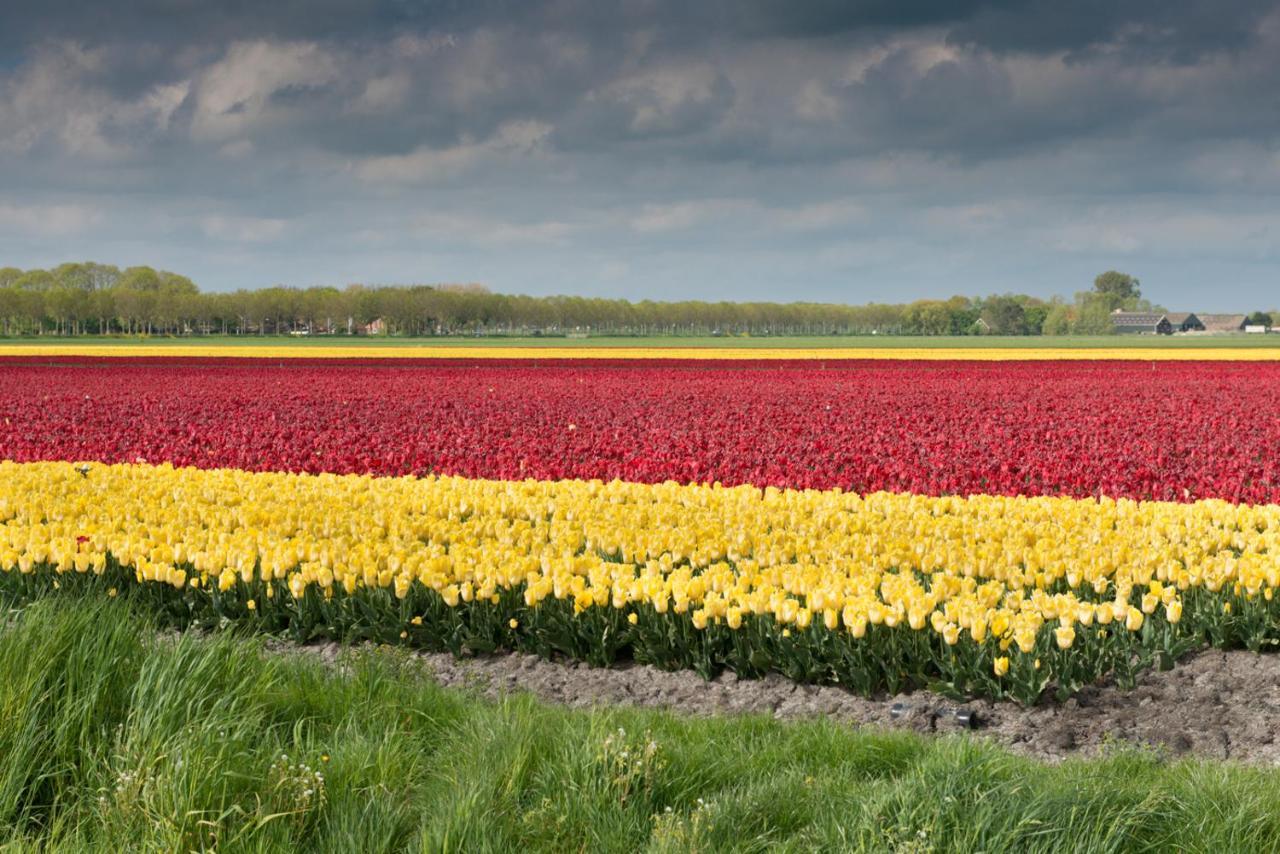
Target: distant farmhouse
1156,323
1147,322
1223,322
1185,321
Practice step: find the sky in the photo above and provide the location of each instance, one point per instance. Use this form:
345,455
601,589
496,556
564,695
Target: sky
861,151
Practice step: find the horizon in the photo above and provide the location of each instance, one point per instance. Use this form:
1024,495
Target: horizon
739,152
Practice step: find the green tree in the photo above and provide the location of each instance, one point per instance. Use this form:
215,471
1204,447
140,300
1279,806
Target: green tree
73,276
962,321
1258,318
102,305
67,306
1093,315
174,283
101,276
1034,317
140,279
1058,321
1118,290
35,280
1004,316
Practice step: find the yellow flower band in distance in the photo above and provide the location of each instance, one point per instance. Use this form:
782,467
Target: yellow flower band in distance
833,354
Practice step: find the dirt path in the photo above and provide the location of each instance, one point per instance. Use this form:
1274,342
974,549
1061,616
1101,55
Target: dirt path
1214,704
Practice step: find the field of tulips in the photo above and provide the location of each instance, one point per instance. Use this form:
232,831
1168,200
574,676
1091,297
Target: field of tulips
1170,431
991,529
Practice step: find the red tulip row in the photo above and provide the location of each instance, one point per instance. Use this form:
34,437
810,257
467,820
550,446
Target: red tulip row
1171,430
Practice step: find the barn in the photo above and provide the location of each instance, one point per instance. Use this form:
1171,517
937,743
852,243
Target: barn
1148,322
1184,321
1223,322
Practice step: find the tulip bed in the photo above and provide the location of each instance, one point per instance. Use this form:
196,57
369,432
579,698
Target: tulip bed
981,529
1169,431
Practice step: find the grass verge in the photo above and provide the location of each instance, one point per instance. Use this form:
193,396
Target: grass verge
113,736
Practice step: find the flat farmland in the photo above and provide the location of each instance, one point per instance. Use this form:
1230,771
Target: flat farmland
1035,541
995,527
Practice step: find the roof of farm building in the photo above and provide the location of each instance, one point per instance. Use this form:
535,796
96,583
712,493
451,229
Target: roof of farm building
1222,322
1136,318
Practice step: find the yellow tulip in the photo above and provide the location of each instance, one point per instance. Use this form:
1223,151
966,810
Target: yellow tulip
1026,640
1133,620
978,631
982,564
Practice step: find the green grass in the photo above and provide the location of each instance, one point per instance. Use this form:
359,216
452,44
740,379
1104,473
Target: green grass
779,342
113,737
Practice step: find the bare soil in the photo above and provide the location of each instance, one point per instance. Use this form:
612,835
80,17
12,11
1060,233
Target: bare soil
1214,704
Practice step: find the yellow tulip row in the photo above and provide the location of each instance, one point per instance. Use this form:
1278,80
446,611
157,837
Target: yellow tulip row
454,351
982,567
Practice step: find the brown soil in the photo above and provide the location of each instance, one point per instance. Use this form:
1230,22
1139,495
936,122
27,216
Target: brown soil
1214,704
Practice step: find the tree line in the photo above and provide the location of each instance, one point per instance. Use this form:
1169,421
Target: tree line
100,299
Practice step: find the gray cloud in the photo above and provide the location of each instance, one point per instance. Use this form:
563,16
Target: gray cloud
838,150
1178,31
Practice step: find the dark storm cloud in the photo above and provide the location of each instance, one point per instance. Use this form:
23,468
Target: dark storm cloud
651,140
1181,29
180,22
650,71
1137,30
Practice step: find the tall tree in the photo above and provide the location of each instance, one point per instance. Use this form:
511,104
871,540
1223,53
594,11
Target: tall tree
1117,289
1004,315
